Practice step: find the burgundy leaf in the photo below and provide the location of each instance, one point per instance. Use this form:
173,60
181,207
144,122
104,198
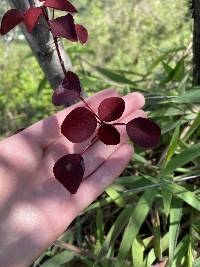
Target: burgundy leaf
69,171
111,109
82,33
11,19
68,91
108,134
79,125
63,5
144,132
64,27
31,18
72,82
61,96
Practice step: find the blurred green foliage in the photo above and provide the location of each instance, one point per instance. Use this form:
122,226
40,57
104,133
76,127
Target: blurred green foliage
22,101
124,35
130,34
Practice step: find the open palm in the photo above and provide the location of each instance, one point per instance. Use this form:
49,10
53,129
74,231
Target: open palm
34,207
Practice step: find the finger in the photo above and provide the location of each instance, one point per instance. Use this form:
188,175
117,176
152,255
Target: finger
94,185
47,131
133,102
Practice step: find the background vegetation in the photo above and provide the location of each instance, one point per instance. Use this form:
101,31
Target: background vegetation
151,213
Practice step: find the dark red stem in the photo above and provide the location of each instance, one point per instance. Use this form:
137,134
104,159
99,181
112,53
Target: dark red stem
82,99
115,124
59,56
62,62
55,41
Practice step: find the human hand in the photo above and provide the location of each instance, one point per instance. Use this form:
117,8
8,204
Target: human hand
35,208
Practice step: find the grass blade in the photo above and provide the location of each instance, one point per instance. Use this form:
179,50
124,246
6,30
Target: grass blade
114,232
167,198
181,192
151,257
192,96
137,253
175,217
183,158
99,230
114,76
136,220
116,197
59,259
195,125
173,143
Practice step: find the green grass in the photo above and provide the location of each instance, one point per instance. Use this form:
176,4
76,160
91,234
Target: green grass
151,213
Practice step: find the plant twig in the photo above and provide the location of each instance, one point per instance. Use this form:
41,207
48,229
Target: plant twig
56,42
75,249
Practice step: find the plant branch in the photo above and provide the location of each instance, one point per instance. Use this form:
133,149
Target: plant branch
79,251
118,124
55,42
59,56
82,99
75,249
42,48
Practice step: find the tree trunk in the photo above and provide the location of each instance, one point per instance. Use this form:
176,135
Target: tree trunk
196,42
42,45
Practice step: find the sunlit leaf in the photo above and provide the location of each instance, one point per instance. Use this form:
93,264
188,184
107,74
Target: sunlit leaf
31,18
64,27
173,143
137,218
12,18
63,5
82,33
183,158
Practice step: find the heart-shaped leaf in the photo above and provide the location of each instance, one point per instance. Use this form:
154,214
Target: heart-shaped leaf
72,82
63,5
82,33
108,134
79,125
11,19
111,109
144,132
31,18
64,27
68,91
69,171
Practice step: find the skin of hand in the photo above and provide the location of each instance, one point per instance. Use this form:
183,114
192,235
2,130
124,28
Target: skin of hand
35,209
